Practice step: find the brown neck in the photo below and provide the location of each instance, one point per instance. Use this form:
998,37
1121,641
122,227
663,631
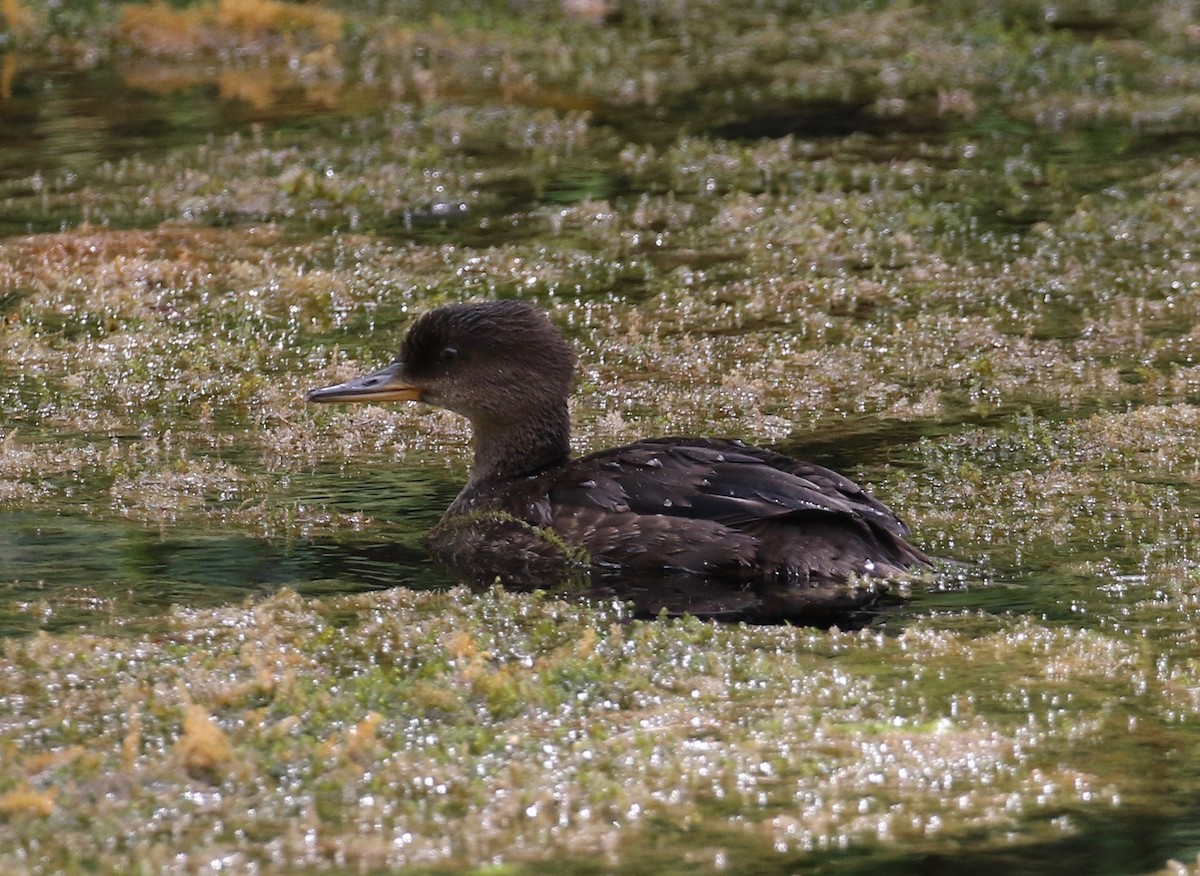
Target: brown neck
514,449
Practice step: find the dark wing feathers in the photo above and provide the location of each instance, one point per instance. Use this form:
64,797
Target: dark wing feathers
827,483
700,504
722,482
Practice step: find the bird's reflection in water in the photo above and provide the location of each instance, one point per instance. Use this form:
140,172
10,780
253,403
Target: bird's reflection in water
382,565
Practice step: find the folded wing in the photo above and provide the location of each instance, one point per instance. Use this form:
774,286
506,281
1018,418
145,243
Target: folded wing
704,505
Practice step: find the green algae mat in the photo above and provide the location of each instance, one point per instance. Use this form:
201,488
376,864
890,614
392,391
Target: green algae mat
951,249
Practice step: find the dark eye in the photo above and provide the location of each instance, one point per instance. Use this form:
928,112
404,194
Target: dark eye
448,354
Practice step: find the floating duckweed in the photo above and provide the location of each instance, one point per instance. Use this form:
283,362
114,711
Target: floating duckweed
461,720
950,247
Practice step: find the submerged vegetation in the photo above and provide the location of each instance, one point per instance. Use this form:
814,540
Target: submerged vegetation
950,248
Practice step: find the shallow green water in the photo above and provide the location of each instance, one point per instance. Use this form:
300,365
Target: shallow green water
975,291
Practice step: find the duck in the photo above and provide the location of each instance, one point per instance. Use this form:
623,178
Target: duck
712,527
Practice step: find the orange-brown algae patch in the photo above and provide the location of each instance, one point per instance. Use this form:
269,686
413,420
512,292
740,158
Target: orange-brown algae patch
360,743
255,27
203,749
27,802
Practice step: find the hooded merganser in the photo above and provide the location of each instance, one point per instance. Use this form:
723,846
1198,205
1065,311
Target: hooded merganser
769,537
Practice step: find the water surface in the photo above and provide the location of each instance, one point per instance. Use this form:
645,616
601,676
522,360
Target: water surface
975,293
